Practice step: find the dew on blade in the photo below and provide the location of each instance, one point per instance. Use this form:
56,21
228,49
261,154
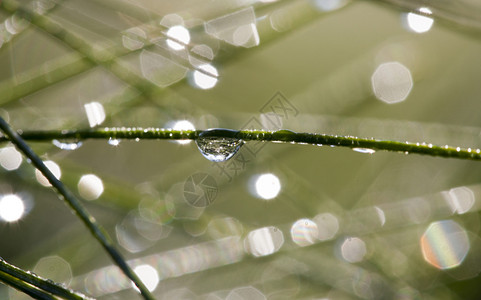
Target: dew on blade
217,149
364,150
113,142
67,144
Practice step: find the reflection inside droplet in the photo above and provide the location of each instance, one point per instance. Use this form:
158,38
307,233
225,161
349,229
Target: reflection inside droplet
90,187
53,167
264,241
267,186
445,244
180,37
304,232
148,275
12,208
392,82
419,23
218,149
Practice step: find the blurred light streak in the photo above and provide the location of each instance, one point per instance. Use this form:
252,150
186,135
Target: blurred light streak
136,233
169,264
160,70
221,227
133,38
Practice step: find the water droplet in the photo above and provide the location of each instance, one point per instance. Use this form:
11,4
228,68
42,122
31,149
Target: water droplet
364,150
218,149
67,144
114,142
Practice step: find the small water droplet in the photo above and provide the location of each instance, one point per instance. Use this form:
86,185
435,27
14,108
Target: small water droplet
218,149
137,139
67,144
364,150
458,149
114,142
406,152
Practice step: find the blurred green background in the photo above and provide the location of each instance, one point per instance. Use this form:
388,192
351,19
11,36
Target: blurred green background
322,223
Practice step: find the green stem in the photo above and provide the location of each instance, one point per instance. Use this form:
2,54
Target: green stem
283,136
39,282
26,288
76,206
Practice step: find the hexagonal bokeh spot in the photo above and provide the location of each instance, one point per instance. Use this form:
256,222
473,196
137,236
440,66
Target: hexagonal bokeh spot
392,82
54,268
445,244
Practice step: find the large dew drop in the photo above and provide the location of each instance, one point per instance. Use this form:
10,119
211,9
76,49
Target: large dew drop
218,149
